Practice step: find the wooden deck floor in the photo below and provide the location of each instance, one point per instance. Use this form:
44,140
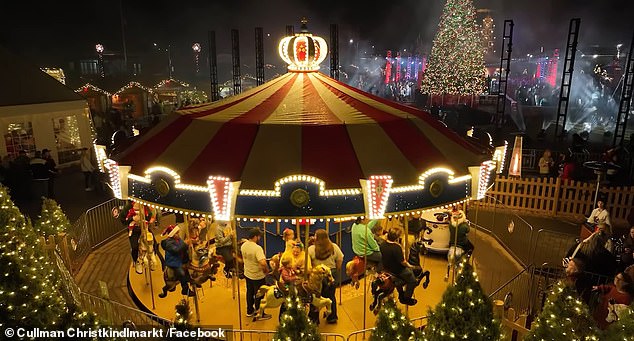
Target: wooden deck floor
109,264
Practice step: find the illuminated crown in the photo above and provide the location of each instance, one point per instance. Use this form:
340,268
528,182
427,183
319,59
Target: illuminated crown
303,51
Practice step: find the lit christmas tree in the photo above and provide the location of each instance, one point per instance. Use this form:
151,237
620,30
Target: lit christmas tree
564,318
391,324
456,62
30,287
294,324
623,328
464,313
52,220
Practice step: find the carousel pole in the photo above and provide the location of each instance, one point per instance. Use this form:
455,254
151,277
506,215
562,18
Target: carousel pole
340,270
365,275
264,227
235,266
306,248
148,266
406,226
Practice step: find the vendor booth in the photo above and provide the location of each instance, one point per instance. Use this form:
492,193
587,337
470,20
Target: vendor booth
38,112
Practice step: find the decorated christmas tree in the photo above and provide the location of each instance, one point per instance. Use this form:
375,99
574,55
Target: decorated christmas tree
52,220
564,317
30,288
391,324
183,315
294,324
456,62
622,328
464,312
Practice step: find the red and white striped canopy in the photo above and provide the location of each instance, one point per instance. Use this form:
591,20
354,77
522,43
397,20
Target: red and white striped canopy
301,123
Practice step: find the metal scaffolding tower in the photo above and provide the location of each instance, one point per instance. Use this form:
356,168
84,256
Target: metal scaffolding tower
566,78
626,98
259,56
505,65
334,51
235,61
213,66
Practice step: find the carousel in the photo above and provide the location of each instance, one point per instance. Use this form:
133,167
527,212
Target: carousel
301,152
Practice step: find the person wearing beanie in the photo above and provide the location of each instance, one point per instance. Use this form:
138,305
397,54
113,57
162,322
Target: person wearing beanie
176,258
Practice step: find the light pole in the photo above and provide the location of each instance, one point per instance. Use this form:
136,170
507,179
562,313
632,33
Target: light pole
196,48
99,49
169,58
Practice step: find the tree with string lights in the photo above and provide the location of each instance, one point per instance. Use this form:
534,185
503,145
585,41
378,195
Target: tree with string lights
564,317
391,324
294,323
622,328
30,290
456,62
52,219
465,311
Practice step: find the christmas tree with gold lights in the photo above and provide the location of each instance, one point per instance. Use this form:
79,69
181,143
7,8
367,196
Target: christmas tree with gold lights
294,324
30,288
391,324
564,317
464,313
456,62
52,219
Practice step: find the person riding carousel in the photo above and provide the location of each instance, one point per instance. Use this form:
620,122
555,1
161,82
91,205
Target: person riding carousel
288,236
394,263
459,230
363,243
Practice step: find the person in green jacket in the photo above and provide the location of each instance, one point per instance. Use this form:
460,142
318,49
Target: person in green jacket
363,242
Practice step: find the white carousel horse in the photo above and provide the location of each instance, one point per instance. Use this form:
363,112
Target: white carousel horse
314,285
454,255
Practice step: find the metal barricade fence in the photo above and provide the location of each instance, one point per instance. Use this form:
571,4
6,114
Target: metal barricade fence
551,247
93,228
512,231
516,292
117,314
359,335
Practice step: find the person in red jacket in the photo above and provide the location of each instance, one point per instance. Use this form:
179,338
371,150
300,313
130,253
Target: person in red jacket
618,293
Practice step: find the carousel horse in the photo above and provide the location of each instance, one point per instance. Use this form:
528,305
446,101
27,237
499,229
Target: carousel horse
614,311
271,296
415,251
454,255
385,283
203,264
356,267
310,291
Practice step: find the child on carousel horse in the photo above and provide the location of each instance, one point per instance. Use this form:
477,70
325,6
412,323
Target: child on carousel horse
202,266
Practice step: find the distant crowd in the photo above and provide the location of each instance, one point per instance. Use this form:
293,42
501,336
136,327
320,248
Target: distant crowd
29,177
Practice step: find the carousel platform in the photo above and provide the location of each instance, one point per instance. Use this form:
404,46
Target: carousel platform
218,306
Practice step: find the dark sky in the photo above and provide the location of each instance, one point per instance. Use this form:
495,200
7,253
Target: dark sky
54,32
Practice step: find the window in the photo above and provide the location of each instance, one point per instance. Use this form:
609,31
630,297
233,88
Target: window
67,138
19,136
89,67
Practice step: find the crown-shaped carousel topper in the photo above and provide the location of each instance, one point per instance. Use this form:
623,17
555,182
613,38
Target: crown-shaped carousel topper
303,51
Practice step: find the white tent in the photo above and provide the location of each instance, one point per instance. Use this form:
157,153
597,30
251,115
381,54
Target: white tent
38,112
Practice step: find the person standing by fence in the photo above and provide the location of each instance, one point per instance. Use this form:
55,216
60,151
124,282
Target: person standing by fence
546,163
86,164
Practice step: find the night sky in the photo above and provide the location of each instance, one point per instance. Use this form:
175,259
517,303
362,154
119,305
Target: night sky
52,33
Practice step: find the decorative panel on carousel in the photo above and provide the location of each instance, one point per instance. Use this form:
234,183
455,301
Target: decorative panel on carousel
299,199
163,191
438,190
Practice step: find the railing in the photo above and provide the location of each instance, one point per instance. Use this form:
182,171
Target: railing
267,335
93,228
530,158
118,314
363,334
517,291
555,197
